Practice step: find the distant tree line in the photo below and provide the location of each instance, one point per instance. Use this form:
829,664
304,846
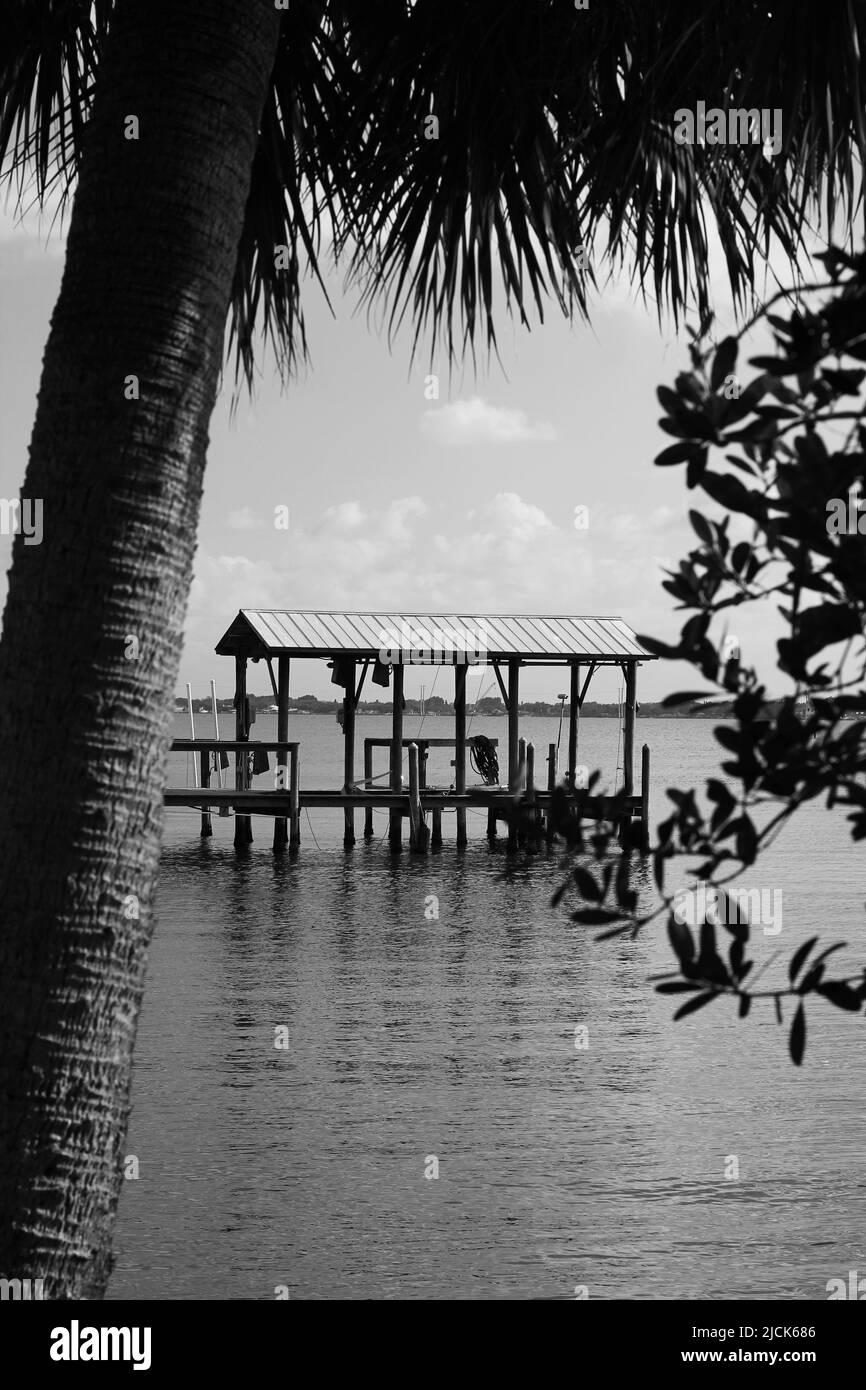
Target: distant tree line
436,704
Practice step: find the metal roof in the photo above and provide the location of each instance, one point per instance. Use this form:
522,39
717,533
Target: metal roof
429,638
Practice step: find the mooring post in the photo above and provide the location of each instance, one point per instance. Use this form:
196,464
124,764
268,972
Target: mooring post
395,829
628,728
206,826
349,753
243,824
628,741
644,797
552,760
295,800
281,827
417,823
460,747
573,711
532,823
368,786
514,771
422,763
436,837
491,823
521,764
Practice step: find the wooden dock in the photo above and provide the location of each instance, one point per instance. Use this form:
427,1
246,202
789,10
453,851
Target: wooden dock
355,644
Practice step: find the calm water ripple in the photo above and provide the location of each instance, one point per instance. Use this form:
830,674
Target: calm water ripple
411,1038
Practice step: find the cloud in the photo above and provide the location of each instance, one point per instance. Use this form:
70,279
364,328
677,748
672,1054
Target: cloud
506,555
345,516
476,421
244,520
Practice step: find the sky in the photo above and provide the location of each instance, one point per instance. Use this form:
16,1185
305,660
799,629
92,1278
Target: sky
396,501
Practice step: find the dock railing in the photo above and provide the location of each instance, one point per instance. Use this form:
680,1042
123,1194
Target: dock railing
288,764
414,801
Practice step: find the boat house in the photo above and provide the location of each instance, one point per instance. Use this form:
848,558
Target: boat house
379,647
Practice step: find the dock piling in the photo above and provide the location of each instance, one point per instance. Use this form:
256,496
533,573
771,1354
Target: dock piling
295,796
417,823
368,786
644,798
349,754
206,825
281,829
243,824
460,748
395,829
514,770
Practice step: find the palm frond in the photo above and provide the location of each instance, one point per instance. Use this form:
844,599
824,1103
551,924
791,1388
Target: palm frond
554,150
49,59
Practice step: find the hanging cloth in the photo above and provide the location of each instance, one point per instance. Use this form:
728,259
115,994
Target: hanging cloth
342,671
381,674
259,761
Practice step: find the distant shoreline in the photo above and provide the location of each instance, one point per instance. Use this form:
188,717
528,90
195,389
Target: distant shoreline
486,708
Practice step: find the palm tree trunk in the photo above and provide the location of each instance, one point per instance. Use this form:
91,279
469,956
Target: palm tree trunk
92,628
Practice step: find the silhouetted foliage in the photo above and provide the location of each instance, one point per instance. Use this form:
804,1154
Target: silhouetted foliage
789,483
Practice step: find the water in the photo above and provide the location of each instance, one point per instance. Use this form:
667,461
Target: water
412,1038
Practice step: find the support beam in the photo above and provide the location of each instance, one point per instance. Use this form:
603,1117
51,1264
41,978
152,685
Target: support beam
281,828
532,832
628,728
417,822
243,824
460,747
513,737
395,831
361,679
551,787
644,798
295,794
573,714
206,826
502,689
349,702
368,786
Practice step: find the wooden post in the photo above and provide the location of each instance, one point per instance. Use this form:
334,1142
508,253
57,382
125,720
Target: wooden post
513,749
417,823
349,753
552,759
628,728
644,797
532,828
573,710
491,823
395,830
206,826
460,747
368,784
243,824
281,827
436,838
295,794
